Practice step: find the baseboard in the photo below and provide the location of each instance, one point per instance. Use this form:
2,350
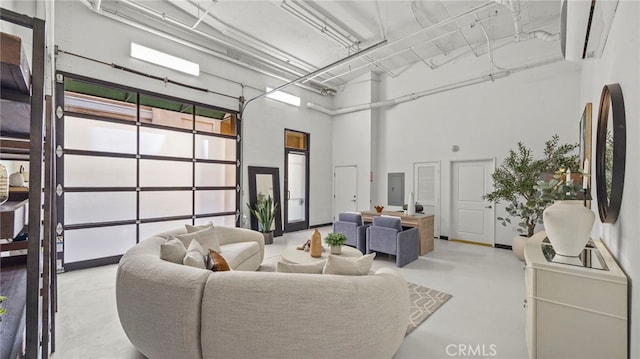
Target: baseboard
470,242
503,246
446,238
320,225
92,263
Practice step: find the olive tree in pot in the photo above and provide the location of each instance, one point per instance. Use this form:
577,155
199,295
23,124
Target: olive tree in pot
515,183
265,211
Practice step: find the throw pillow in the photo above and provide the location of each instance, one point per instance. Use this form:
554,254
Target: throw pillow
191,229
219,263
195,246
206,237
173,251
348,265
194,259
314,268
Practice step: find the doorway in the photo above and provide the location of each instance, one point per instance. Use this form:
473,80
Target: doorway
296,181
472,217
426,180
345,190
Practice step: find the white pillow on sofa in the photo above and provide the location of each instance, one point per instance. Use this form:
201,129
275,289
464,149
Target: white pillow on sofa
314,268
173,251
348,265
191,229
194,259
206,237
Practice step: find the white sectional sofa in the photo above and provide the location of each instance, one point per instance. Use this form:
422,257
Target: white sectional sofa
174,311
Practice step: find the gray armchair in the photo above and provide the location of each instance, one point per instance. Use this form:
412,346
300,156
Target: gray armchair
350,223
386,236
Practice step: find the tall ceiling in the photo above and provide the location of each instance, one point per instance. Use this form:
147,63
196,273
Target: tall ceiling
291,39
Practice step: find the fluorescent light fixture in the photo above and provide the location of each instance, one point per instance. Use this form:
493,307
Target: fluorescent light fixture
284,97
162,59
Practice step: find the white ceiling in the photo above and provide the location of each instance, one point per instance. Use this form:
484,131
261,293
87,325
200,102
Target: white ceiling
290,38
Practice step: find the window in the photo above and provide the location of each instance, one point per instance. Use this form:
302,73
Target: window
136,164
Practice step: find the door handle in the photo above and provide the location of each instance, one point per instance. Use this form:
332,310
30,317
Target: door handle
489,206
288,195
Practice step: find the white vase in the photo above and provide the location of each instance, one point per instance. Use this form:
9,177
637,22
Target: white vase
568,226
517,246
336,249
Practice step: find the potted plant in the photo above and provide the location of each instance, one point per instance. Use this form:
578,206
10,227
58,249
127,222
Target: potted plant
265,211
335,241
515,183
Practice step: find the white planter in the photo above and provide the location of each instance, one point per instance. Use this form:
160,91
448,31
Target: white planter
517,246
336,249
568,226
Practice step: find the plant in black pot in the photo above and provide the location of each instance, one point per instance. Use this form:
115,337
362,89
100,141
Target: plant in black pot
265,211
515,183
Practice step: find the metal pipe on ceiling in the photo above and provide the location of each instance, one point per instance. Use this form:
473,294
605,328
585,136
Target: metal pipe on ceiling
251,41
429,28
352,69
206,12
433,91
302,78
194,46
261,57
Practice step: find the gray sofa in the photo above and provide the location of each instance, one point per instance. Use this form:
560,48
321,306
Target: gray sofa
173,311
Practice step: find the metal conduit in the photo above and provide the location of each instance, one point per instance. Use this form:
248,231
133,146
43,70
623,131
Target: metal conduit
433,91
193,46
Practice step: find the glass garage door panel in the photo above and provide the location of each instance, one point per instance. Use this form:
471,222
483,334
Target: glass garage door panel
93,135
92,243
215,148
158,142
215,174
229,221
150,229
165,204
94,171
88,207
215,201
155,173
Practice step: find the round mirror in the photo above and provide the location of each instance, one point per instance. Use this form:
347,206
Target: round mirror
610,152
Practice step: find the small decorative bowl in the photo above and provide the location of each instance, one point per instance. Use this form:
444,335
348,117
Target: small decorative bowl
379,208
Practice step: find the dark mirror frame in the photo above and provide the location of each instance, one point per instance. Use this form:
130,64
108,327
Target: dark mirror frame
253,196
612,100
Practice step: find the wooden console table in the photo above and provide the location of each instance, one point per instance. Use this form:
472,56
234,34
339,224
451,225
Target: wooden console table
424,223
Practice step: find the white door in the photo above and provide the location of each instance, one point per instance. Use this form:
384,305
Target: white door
472,216
426,180
345,191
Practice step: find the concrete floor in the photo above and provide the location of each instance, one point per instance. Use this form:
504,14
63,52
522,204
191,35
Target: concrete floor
485,317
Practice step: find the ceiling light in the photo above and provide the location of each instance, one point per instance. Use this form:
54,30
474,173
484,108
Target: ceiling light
283,97
163,59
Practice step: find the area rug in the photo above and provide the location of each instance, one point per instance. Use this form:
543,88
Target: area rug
423,301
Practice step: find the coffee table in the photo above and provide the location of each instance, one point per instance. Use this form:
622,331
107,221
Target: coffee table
296,256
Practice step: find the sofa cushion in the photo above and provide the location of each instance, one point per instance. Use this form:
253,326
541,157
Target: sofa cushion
206,237
238,253
195,246
314,268
348,265
219,263
191,229
173,251
194,259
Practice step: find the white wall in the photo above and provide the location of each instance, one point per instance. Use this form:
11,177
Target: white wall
264,120
485,120
352,135
620,63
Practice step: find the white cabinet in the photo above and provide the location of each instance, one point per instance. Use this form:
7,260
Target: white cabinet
575,307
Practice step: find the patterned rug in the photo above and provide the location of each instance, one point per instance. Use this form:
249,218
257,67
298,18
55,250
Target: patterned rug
423,301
